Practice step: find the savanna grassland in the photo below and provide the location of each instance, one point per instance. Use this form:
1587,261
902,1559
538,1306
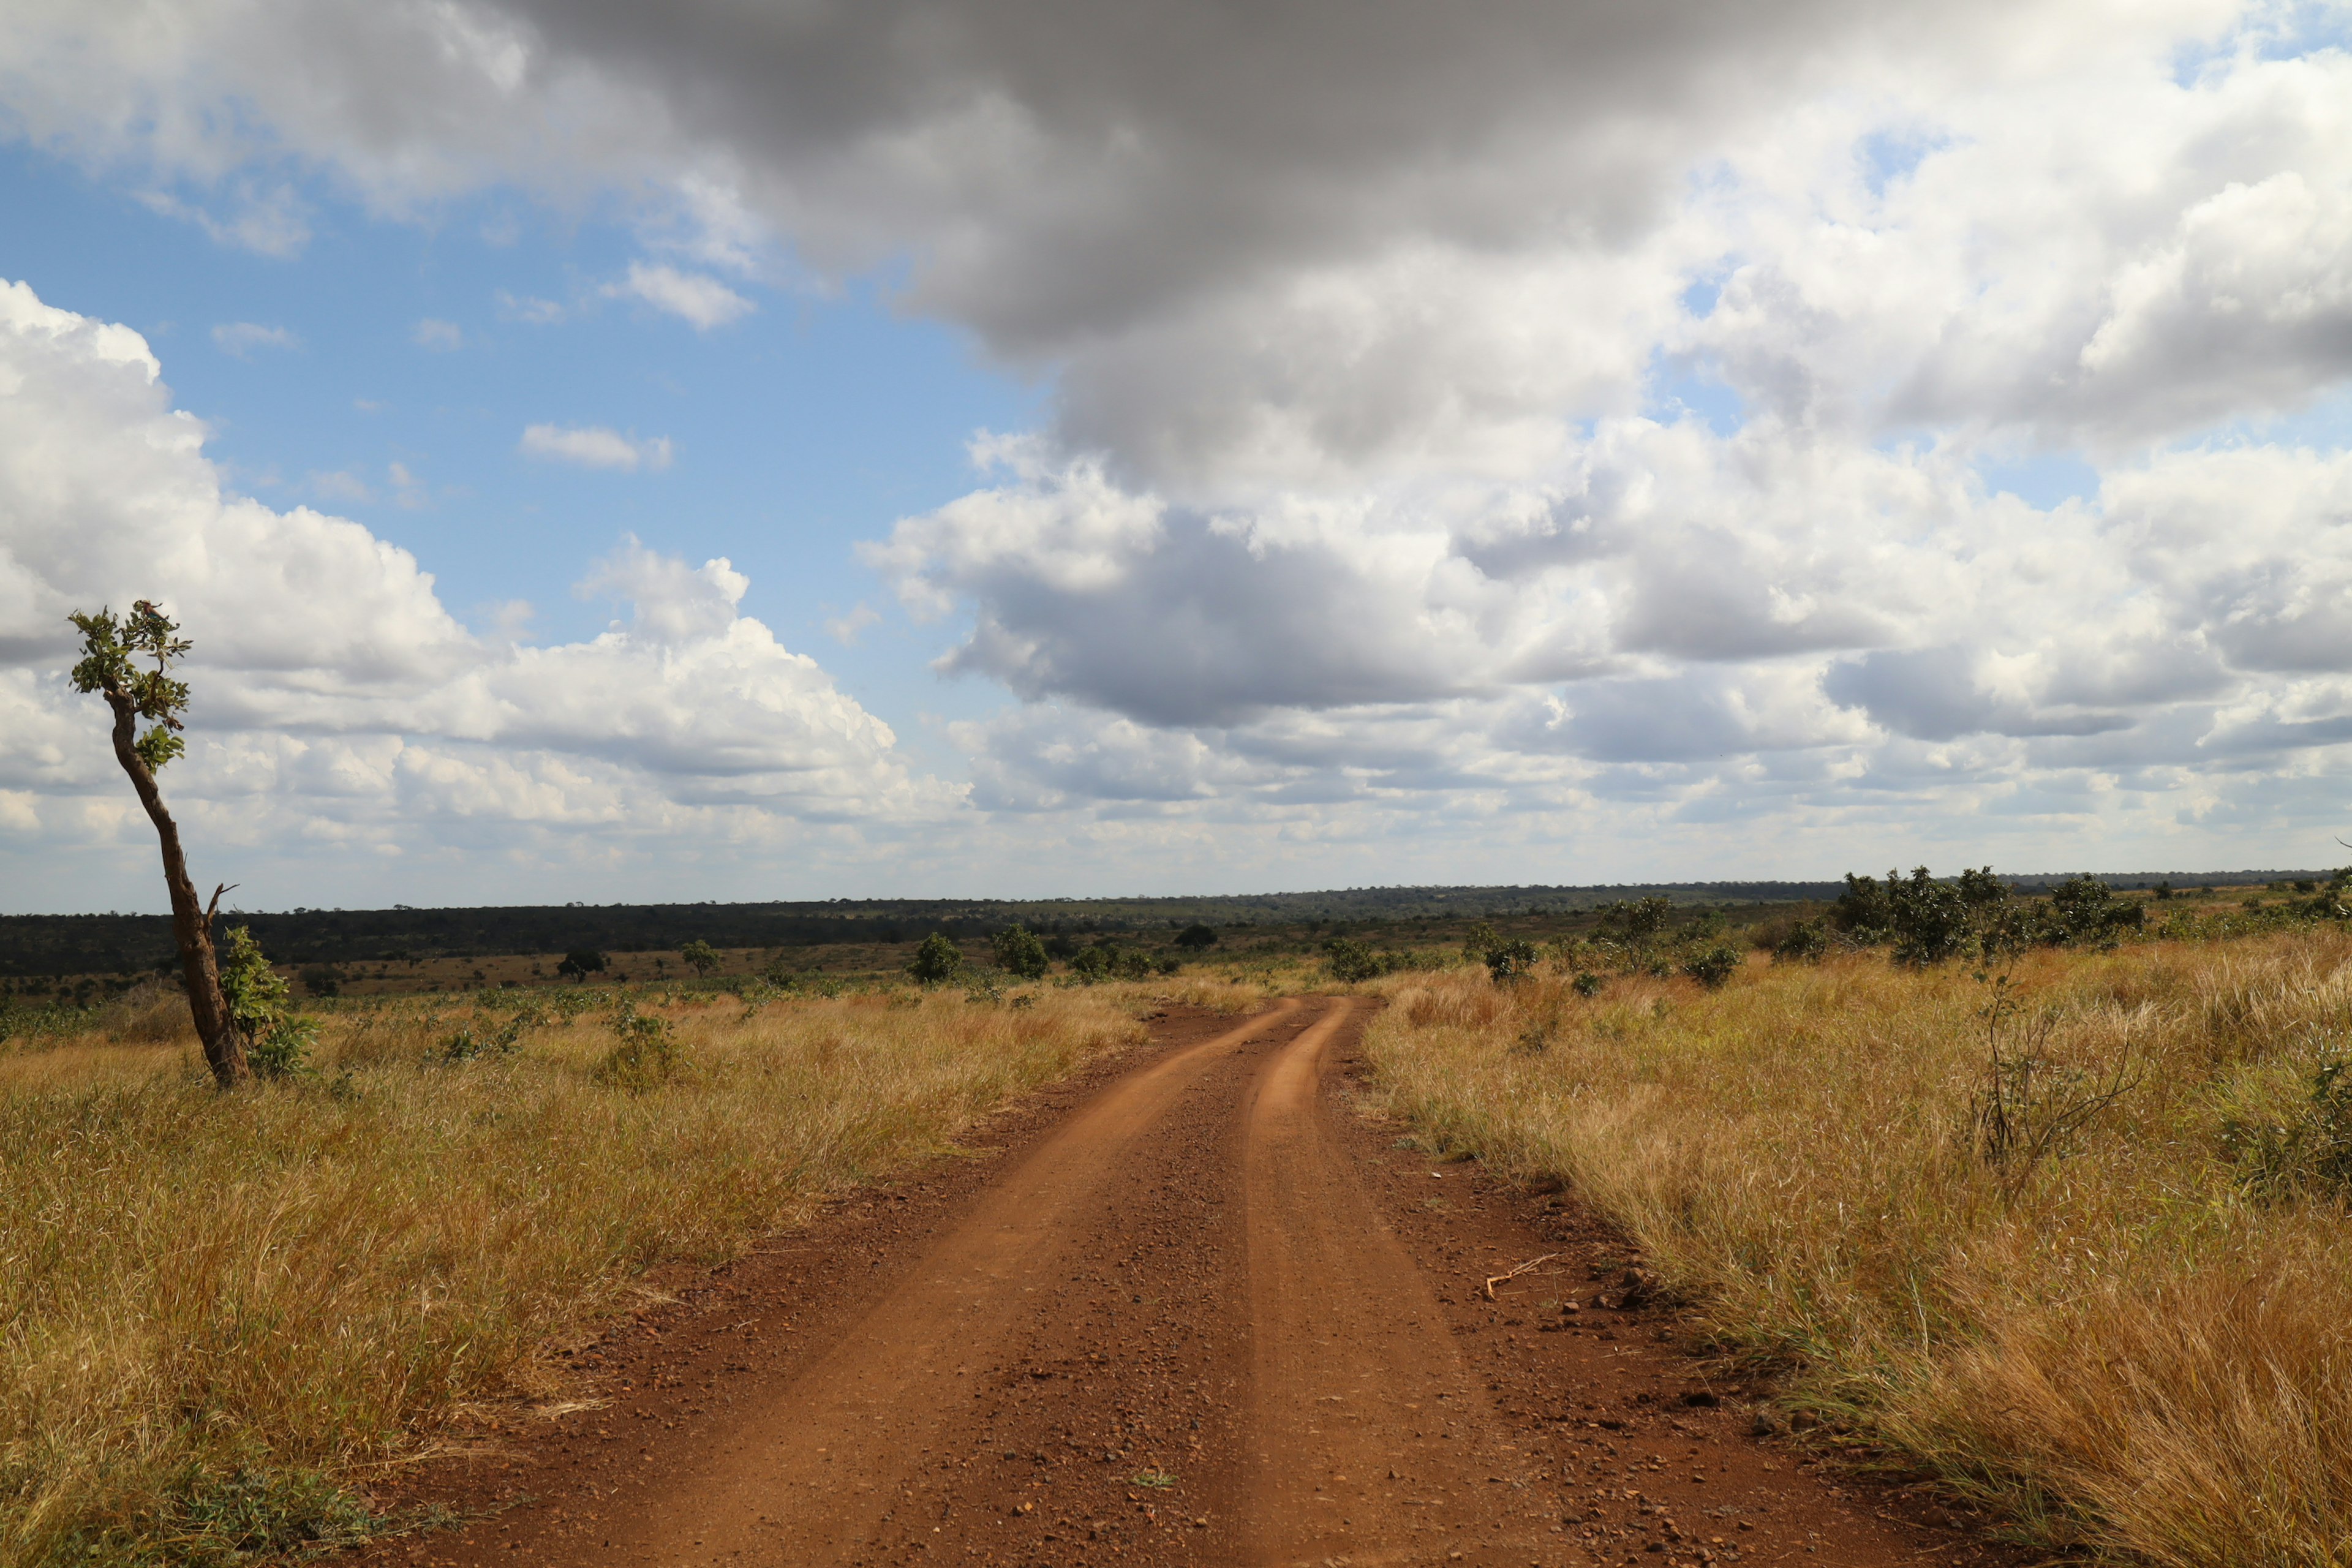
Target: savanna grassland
221,1314
2077,1244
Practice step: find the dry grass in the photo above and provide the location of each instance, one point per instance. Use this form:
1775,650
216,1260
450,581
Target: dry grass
2119,1347
216,1309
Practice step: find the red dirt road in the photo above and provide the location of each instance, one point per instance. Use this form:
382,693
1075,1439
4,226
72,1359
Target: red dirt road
1200,1311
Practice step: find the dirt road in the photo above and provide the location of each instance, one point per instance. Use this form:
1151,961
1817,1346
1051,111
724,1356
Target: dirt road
1200,1311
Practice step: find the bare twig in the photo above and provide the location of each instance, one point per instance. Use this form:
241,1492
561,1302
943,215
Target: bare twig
1495,1280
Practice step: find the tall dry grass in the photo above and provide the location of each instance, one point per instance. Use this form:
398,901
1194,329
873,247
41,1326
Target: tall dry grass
2123,1347
217,1310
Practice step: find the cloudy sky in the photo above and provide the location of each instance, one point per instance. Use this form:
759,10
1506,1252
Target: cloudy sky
617,450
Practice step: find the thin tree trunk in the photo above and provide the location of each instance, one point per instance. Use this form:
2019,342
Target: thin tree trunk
191,922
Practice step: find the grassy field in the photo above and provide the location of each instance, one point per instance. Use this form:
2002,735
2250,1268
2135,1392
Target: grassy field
219,1315
2105,1287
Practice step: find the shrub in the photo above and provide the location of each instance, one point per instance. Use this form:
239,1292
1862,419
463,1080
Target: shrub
1196,937
938,960
646,1055
1510,960
278,1044
1635,923
1351,961
1925,921
583,961
1586,983
700,956
2085,911
1019,952
1712,966
1109,961
1807,941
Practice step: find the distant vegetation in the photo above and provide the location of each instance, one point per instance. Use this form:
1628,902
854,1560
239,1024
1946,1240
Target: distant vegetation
53,946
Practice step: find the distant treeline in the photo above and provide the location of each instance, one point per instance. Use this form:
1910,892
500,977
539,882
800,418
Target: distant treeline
118,944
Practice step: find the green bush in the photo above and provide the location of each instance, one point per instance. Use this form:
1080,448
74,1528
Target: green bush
1586,983
583,961
1196,937
938,960
1109,961
1712,966
1807,941
700,956
1019,952
278,1043
1351,962
1510,960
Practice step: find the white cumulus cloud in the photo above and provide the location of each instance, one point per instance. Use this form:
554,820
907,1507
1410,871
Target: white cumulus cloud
1491,420
338,704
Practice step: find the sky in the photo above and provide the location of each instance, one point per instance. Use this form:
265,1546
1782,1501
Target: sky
611,451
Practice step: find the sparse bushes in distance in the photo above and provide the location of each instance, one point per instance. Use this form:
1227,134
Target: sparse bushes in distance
1924,921
1632,937
938,960
2132,1343
1111,960
224,1314
1019,954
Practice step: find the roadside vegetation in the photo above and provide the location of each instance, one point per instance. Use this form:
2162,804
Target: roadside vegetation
221,1315
2051,1199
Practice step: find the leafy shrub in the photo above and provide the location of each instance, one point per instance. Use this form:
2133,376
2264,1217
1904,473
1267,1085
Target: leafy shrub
647,1054
466,1045
1351,961
278,1043
1586,983
1712,966
938,960
1510,960
1109,961
2083,910
700,956
583,961
1634,924
1196,937
1807,941
1019,952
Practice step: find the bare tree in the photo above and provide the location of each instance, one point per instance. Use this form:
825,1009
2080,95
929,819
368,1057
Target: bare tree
111,649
